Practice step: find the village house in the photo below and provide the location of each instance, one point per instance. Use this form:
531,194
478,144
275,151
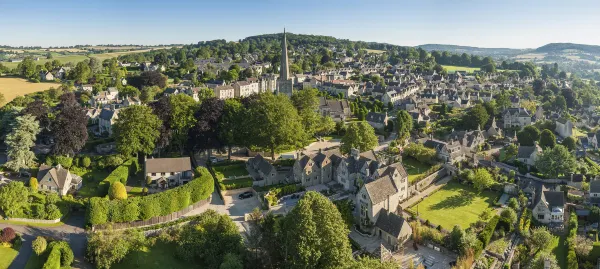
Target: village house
244,88
594,196
392,229
529,154
564,127
377,120
224,92
111,95
46,76
264,173
469,140
168,172
339,110
549,206
106,120
57,179
448,152
516,117
494,130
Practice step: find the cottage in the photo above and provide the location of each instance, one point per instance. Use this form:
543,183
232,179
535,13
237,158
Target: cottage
392,229
168,172
564,127
549,206
339,110
516,117
529,154
57,179
377,120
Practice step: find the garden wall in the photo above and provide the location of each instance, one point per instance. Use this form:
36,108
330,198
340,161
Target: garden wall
35,220
154,220
424,183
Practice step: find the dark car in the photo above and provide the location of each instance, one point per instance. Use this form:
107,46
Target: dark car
245,195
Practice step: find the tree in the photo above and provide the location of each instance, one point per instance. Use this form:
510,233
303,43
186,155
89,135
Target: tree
404,124
117,191
2,99
81,72
528,136
420,152
313,219
482,179
230,123
556,161
359,135
326,126
509,216
539,238
570,143
70,128
513,203
129,91
274,122
545,260
20,141
147,94
7,235
456,239
39,109
148,79
33,184
39,245
477,117
582,246
108,247
547,139
559,103
209,240
13,197
204,135
307,104
136,130
182,118
231,261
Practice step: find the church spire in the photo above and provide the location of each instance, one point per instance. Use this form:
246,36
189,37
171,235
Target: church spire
284,72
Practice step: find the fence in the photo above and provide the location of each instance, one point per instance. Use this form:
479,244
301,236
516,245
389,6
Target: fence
35,220
154,220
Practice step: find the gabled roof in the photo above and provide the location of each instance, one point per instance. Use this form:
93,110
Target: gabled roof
554,198
161,165
526,151
58,175
108,114
595,186
380,189
392,224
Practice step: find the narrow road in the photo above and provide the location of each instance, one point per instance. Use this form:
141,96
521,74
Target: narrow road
72,232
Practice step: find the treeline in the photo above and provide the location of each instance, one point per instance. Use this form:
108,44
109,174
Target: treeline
103,210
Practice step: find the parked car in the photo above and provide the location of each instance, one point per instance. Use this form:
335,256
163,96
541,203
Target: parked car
245,195
213,159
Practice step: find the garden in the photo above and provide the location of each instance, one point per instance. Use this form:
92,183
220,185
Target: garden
455,204
416,170
230,169
10,243
50,253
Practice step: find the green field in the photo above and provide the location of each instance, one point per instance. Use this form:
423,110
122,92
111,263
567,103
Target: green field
7,255
453,68
414,168
161,255
225,171
375,51
455,204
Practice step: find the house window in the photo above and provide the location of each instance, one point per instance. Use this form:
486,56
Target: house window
162,174
364,196
153,174
540,216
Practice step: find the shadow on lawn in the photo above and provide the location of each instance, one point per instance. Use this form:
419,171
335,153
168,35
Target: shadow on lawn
463,198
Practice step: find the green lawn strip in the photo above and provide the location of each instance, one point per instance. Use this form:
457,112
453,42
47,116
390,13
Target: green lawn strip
453,68
414,168
135,191
455,204
237,169
161,255
559,248
7,255
35,261
32,224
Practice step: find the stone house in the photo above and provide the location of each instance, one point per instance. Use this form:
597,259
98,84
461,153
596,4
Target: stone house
377,120
224,92
46,76
106,120
594,197
564,127
111,95
392,229
57,179
549,206
245,88
263,172
313,170
529,154
448,152
168,172
383,193
516,117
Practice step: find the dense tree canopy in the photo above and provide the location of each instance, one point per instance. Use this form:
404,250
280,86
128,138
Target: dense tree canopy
136,130
359,135
556,161
20,141
528,136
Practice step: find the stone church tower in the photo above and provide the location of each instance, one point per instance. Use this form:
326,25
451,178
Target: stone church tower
284,83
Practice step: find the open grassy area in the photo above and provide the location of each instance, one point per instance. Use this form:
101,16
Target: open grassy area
453,68
414,168
35,261
225,171
375,51
91,181
455,204
7,255
161,255
33,224
12,87
559,248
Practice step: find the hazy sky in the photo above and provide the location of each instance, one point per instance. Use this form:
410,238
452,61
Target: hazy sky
484,23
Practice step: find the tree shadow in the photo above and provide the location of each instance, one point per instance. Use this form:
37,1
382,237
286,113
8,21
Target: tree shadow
463,198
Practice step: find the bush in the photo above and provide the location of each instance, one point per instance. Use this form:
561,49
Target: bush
86,162
8,235
39,245
53,261
488,231
64,161
120,174
117,191
66,254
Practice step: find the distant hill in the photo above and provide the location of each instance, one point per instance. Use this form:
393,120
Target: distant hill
473,50
561,47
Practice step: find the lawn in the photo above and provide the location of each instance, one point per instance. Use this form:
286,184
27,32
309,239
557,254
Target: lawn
453,68
7,255
12,87
225,171
414,168
455,204
35,261
559,248
33,224
91,180
135,191
161,255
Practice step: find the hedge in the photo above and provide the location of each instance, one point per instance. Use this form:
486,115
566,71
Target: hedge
488,231
121,173
525,222
61,255
53,261
102,210
233,184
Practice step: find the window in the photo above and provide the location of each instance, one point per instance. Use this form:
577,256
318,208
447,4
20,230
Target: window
540,216
162,174
153,174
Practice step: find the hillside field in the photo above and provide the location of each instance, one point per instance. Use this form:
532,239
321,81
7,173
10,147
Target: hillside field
12,87
453,68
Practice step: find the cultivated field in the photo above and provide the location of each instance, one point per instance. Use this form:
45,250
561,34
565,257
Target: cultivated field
453,68
375,51
12,87
455,204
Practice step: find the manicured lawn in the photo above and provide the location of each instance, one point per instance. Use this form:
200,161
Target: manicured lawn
7,255
35,261
455,204
135,191
559,248
161,255
33,224
225,171
91,180
414,168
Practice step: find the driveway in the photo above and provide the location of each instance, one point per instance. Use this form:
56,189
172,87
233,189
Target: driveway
431,258
71,232
235,208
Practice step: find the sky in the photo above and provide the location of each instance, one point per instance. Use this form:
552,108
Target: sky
481,23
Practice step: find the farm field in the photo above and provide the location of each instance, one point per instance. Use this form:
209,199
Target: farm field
455,204
375,51
453,68
12,87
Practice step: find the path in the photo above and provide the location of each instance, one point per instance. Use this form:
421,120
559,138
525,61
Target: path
71,232
435,186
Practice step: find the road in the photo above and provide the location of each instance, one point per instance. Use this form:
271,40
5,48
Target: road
71,232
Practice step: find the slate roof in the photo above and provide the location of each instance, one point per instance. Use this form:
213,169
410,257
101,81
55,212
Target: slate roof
380,189
160,165
392,223
108,114
595,186
376,117
554,198
526,151
58,174
384,171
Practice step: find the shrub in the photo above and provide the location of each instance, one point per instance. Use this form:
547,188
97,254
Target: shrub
86,161
8,235
33,184
117,191
39,245
53,260
66,254
235,184
488,231
64,161
120,174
